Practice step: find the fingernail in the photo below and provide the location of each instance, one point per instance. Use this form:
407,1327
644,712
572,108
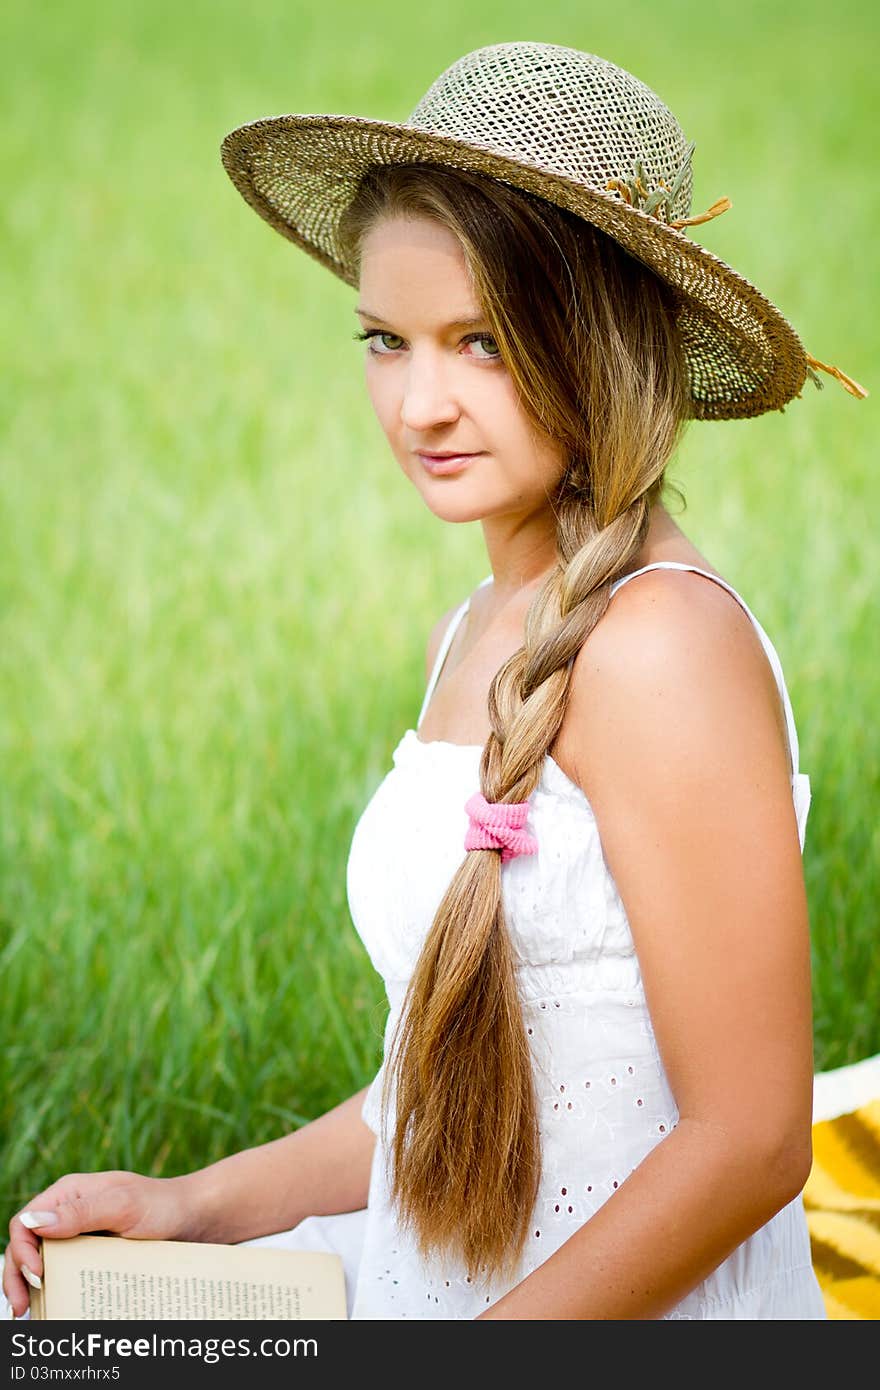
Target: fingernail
33,1219
33,1279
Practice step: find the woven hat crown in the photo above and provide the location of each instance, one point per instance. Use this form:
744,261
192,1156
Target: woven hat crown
572,129
563,110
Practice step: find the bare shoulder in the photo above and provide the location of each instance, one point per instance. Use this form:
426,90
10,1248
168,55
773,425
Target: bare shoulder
672,670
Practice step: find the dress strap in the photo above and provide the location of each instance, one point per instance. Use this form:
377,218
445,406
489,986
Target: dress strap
770,650
445,644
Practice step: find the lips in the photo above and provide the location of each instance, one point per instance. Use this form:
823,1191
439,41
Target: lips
439,465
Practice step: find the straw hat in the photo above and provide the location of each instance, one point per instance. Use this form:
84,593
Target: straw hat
578,131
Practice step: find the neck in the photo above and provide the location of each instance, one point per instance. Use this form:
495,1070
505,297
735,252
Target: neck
523,553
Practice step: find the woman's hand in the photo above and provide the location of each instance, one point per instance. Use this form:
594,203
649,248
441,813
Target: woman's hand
122,1203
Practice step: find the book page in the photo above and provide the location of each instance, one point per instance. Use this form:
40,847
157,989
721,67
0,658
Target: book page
93,1278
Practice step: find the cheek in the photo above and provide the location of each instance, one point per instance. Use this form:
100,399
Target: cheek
382,398
553,461
535,464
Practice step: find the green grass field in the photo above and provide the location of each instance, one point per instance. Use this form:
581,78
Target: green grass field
216,586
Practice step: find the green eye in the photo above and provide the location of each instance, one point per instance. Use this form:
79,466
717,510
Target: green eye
376,333
486,339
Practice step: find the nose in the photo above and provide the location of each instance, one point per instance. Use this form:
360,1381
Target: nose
428,399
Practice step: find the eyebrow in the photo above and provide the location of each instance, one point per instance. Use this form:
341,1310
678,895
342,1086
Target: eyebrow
472,322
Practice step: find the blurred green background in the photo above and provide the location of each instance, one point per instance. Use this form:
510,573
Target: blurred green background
216,589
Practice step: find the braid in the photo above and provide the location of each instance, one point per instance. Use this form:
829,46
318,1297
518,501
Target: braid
528,695
461,1037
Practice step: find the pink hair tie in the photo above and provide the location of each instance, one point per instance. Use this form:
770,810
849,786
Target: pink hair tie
499,825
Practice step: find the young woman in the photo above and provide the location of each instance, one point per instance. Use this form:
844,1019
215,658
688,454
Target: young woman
581,880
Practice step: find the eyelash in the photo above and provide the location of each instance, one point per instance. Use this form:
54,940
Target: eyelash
469,338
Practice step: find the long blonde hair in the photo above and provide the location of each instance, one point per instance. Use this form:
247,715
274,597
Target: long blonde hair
590,337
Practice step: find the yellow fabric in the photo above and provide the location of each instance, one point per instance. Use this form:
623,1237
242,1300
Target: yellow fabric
842,1203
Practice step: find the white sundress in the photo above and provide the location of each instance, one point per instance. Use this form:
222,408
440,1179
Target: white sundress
604,1097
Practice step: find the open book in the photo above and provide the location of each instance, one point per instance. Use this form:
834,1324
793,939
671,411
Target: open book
93,1278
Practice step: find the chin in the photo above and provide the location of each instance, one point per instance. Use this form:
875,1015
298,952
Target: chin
452,513
451,499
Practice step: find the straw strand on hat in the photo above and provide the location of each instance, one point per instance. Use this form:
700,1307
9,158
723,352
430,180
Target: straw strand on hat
847,382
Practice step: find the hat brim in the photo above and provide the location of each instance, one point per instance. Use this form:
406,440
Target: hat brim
299,172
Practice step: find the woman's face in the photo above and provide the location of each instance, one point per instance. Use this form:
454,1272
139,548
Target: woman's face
437,383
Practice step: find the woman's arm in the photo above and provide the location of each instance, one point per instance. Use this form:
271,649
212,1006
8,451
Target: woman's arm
673,726
319,1170
324,1167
